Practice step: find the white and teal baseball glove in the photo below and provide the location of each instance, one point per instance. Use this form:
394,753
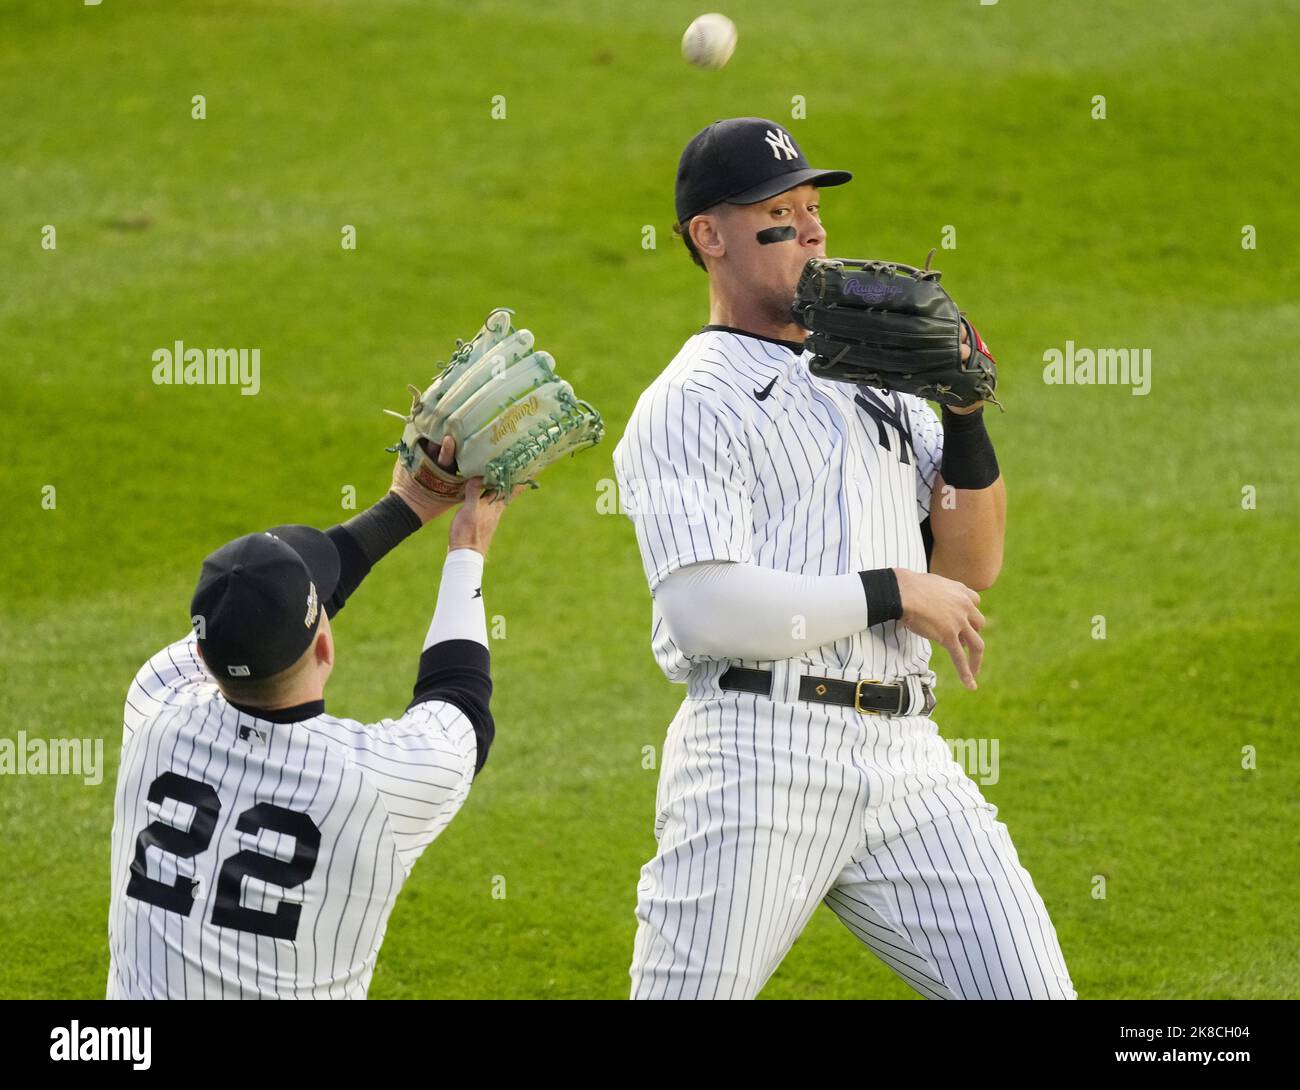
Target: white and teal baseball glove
510,414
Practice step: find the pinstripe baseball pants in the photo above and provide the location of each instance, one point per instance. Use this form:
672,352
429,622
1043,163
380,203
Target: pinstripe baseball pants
765,808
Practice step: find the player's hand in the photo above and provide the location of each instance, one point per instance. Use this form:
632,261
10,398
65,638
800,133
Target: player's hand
477,519
418,499
946,612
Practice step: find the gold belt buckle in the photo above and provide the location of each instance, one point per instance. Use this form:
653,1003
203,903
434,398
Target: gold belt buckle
857,697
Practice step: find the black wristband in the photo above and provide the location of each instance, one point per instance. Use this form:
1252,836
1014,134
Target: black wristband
968,458
884,601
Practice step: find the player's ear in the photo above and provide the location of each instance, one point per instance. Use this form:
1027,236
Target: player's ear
705,235
324,646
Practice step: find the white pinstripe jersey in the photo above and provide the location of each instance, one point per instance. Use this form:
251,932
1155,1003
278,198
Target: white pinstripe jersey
254,859
814,478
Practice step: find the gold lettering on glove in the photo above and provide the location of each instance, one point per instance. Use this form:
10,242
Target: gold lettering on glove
509,421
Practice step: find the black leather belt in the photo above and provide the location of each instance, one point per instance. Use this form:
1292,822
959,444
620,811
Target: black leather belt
868,697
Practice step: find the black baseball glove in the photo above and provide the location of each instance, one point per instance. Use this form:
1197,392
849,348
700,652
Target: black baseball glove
879,323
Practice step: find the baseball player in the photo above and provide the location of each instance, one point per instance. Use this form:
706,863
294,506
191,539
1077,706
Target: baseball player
259,842
804,540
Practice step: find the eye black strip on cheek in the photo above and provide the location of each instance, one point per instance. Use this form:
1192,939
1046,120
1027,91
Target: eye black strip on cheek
775,234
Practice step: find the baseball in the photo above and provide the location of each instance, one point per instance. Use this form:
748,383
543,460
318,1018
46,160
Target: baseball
709,41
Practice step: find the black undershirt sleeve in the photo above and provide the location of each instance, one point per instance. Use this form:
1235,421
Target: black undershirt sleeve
353,567
366,539
458,672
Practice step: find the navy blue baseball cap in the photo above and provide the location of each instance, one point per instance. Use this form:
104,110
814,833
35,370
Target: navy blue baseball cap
743,160
259,600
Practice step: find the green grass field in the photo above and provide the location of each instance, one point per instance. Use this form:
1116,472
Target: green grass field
1120,758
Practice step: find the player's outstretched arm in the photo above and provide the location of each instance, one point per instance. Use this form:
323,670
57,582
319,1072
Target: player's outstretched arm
455,666
424,761
368,537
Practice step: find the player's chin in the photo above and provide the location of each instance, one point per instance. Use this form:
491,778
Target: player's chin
790,281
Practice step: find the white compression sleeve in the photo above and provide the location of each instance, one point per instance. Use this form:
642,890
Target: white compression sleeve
459,613
726,610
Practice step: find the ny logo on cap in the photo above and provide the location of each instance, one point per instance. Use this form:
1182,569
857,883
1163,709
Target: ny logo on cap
779,142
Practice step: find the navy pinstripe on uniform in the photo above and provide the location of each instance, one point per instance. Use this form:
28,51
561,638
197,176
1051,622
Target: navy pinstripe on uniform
378,794
767,806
